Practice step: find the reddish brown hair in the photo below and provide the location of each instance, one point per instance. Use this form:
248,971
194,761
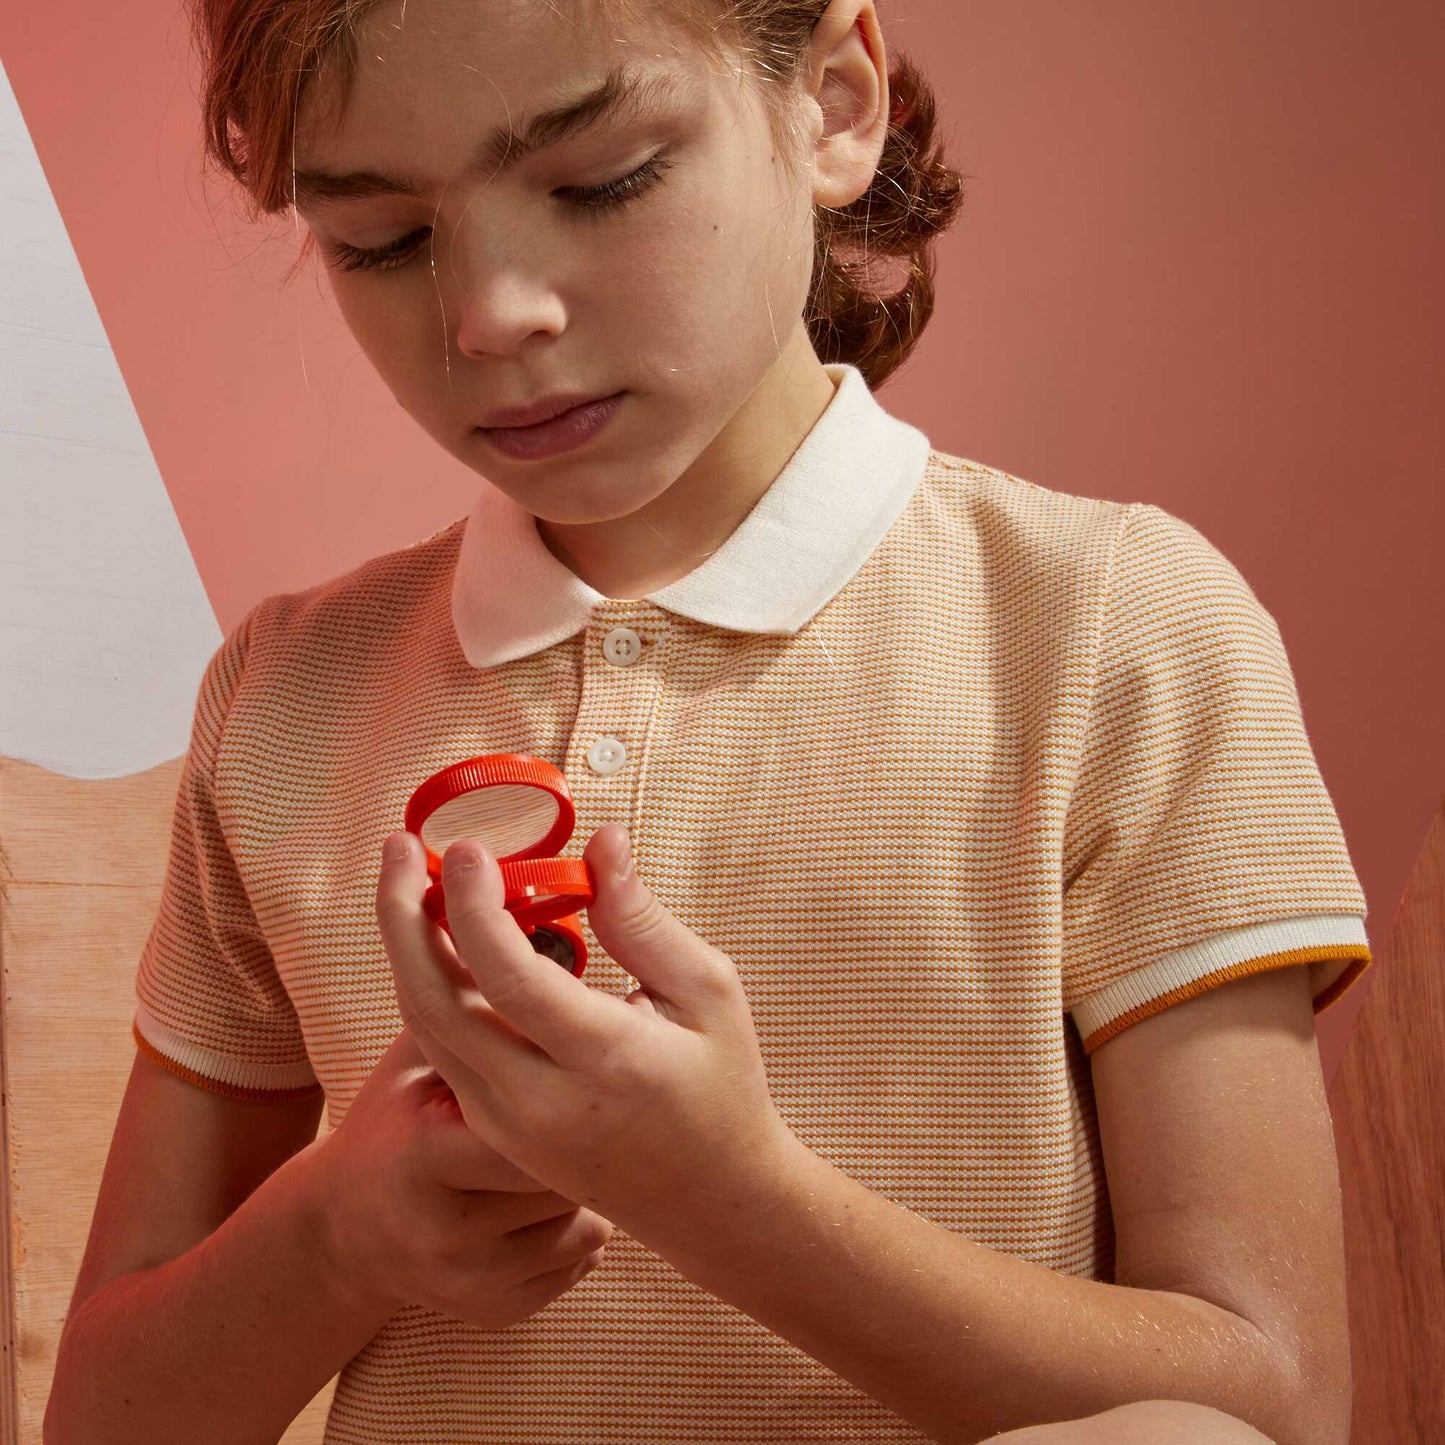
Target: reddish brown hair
258,55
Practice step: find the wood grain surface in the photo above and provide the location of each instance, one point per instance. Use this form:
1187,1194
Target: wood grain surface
1388,1105
81,865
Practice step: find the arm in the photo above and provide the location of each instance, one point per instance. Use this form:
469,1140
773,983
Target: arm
226,1343
1143,1422
1225,1197
961,1340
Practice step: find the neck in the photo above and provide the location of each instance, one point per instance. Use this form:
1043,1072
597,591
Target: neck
675,533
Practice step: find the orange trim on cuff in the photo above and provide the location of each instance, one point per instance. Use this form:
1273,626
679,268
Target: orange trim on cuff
215,1086
1360,961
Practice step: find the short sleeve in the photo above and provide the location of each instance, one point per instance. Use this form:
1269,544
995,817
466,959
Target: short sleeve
210,1004
1200,842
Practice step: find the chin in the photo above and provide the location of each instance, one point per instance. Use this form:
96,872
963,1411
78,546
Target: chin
574,511
585,492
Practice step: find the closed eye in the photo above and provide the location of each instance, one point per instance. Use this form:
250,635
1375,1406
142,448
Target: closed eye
597,200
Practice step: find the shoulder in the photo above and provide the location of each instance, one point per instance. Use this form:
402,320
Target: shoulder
1156,581
1011,514
1043,553
298,654
1175,599
352,616
1052,520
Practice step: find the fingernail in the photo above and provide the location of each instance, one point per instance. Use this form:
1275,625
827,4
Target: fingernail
397,847
461,860
626,869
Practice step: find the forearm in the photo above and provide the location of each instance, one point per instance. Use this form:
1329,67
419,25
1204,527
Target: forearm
227,1343
960,1340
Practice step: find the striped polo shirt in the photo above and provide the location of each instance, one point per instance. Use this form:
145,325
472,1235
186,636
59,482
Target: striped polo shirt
965,775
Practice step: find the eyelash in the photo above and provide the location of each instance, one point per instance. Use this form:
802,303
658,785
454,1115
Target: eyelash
611,197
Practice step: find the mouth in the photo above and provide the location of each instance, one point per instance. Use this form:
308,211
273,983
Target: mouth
564,432
540,413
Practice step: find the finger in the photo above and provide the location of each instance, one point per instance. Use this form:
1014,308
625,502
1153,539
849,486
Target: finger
400,887
478,1104
682,974
404,1060
544,1003
456,1029
454,1155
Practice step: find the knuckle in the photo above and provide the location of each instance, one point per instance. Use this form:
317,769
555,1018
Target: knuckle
505,990
389,908
472,918
720,974
461,907
427,1010
649,924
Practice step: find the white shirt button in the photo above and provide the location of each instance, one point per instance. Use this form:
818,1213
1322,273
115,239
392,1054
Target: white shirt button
606,756
622,647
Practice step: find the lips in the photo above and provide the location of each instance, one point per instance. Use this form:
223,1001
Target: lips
548,409
565,433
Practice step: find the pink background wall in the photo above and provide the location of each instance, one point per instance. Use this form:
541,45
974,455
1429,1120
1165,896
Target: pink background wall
1199,266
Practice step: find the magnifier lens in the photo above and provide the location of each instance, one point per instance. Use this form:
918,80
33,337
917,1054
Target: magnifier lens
504,819
554,946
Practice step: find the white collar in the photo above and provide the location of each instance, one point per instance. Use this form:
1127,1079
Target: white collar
806,539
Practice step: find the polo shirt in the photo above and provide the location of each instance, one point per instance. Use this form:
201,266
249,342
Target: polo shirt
964,774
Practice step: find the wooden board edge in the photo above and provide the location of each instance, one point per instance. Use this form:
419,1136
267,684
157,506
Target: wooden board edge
10,1380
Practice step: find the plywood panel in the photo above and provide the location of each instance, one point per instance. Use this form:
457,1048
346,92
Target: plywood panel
83,864
1388,1103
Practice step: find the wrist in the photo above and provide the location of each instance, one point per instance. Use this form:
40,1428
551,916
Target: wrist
325,1238
772,1168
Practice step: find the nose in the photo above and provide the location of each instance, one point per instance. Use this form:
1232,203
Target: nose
498,303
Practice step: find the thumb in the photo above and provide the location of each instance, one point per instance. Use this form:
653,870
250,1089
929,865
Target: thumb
671,962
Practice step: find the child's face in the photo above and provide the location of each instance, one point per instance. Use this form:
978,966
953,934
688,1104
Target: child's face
689,297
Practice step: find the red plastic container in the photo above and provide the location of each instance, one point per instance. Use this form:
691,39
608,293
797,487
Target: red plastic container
520,809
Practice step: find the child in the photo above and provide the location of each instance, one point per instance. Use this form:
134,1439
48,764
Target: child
978,835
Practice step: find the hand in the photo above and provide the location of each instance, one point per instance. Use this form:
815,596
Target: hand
653,1110
415,1209
1140,1422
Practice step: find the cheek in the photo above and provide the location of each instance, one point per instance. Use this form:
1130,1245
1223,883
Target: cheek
371,319
763,247
391,328
736,277
692,268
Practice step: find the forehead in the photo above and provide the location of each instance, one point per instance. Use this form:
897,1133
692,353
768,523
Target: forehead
405,59
417,67
622,94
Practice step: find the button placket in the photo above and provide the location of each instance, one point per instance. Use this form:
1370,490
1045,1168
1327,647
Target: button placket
622,694
620,681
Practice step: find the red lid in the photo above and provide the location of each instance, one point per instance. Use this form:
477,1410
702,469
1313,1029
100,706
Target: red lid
537,891
520,809
514,805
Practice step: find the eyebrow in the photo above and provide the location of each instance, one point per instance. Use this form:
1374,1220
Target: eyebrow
624,93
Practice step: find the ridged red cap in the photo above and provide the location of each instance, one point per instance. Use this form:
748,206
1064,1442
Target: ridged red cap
540,887
495,771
